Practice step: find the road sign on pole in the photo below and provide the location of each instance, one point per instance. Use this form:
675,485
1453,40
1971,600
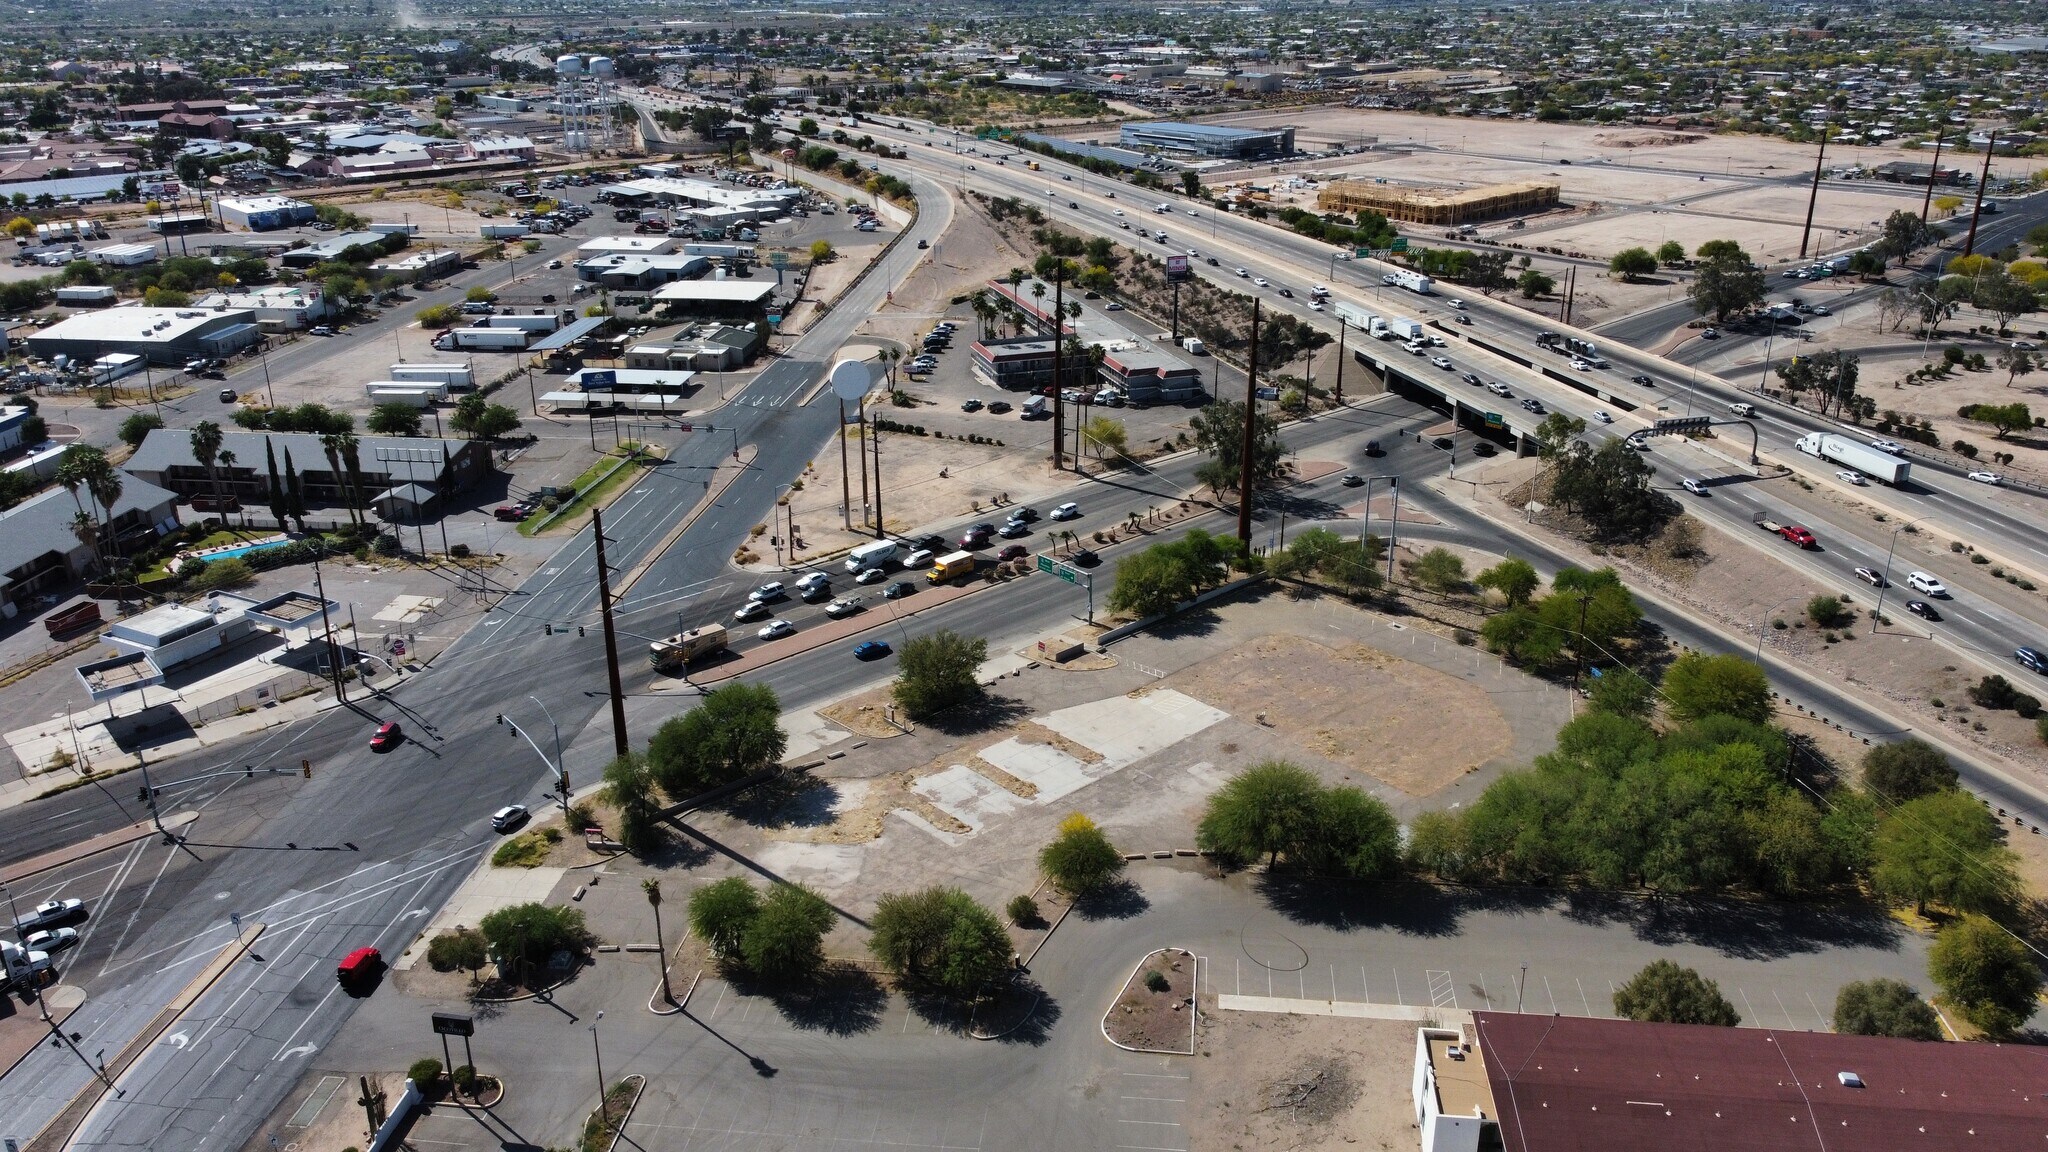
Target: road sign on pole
1400,244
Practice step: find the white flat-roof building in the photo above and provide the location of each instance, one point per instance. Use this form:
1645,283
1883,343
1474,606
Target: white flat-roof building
164,335
124,255
619,271
627,246
262,213
277,306
716,293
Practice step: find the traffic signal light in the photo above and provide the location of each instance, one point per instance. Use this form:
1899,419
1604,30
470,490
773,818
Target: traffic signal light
501,717
547,629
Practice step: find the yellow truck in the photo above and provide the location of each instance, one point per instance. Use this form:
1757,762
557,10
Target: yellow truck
686,648
951,566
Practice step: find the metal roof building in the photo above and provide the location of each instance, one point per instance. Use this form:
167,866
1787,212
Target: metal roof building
1210,140
164,335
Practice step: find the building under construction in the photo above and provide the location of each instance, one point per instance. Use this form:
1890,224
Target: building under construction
1441,207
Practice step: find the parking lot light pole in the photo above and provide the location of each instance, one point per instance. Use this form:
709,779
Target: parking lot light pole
595,1051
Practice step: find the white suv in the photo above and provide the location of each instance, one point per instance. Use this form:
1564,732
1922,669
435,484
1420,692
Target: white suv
1922,582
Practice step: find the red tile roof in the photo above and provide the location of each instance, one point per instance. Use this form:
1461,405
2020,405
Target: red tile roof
1573,1084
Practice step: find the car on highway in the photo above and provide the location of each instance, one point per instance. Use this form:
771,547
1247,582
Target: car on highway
1260,281
1603,417
554,264
1012,529
1872,577
1067,511
360,965
1116,212
1819,310
509,817
52,913
1531,404
844,606
970,405
812,581
1710,334
871,576
752,610
1987,477
1112,306
1462,318
1315,305
1891,446
871,650
1440,362
898,590
1499,389
1242,274
772,590
1922,609
1581,365
228,396
1470,378
776,630
1013,552
1352,480
920,558
1645,381
387,737
1287,292
1922,582
1024,512
320,330
1458,304
51,940
1851,476
977,536
1085,558
2031,659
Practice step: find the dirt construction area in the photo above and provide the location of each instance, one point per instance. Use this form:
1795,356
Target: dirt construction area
1279,1083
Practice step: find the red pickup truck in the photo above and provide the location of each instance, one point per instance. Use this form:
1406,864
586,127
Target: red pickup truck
72,619
1798,534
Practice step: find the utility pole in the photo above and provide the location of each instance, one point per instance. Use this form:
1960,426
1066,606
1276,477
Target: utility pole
878,478
1176,312
1059,379
1579,641
327,623
1251,413
846,485
1927,201
1813,196
1990,146
860,432
1343,329
611,638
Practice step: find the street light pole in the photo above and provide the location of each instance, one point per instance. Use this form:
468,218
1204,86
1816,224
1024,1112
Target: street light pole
561,769
1877,612
594,1050
1763,621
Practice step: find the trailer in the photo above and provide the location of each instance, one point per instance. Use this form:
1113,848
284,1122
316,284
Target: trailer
414,395
502,231
1798,534
115,365
72,619
1355,316
686,648
1415,282
489,339
455,376
1882,467
1404,329
543,322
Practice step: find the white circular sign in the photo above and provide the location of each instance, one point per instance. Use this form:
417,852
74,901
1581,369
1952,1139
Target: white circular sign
851,379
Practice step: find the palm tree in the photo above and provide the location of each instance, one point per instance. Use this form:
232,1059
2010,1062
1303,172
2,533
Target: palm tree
351,461
206,438
87,531
332,443
83,466
227,463
653,890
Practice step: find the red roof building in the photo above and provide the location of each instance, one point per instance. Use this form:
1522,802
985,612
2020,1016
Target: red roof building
1575,1084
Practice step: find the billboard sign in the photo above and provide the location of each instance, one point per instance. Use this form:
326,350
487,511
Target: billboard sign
599,380
1177,268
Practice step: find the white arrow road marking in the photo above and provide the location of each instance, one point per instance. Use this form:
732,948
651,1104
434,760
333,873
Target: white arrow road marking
177,1040
301,1050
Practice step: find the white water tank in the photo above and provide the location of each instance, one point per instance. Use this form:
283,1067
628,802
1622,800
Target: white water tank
568,65
602,66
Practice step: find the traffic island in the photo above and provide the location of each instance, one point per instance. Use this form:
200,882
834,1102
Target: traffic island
1156,1011
603,1127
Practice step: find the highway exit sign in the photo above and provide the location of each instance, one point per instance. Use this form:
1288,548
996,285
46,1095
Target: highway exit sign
1400,244
1064,572
1362,253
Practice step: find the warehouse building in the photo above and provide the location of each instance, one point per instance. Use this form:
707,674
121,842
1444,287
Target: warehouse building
1552,1083
277,307
163,335
1438,207
262,213
1209,141
737,299
333,248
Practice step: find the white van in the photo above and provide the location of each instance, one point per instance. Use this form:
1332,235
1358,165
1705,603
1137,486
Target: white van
873,554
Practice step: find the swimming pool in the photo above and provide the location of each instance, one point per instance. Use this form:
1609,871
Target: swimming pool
245,549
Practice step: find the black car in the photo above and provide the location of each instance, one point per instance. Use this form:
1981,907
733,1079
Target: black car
998,407
932,543
1922,609
898,590
1026,514
1645,381
1085,558
2031,659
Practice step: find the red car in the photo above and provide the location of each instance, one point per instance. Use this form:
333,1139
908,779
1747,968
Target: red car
358,965
387,737
1013,552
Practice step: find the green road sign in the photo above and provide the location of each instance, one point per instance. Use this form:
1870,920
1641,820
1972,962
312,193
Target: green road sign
778,260
1400,244
1045,564
1064,572
1494,421
1362,253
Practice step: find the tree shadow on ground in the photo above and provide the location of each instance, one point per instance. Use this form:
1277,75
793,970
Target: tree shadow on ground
1193,623
990,712
844,1000
942,1011
1117,900
1410,909
1022,1013
674,850
1747,930
790,800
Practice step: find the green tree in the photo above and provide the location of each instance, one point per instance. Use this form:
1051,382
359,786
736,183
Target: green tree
1827,612
938,671
1609,487
1514,578
1265,810
2005,419
1218,432
721,913
1353,835
2006,298
785,941
1885,1008
1440,570
1534,285
1904,232
135,429
1907,770
1630,263
1944,847
479,295
1666,993
1830,375
1725,283
1080,859
525,936
463,948
479,419
940,935
223,575
1697,685
732,733
1555,436
1190,182
1620,692
438,315
394,420
1989,976
1671,253
1105,435
821,252
629,787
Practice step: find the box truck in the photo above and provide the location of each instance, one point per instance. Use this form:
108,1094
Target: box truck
686,648
502,231
1413,281
873,554
1880,466
1355,316
1405,329
951,566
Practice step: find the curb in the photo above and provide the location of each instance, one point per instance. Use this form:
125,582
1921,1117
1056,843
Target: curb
1194,1012
140,830
1028,1014
538,993
676,1006
639,1090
